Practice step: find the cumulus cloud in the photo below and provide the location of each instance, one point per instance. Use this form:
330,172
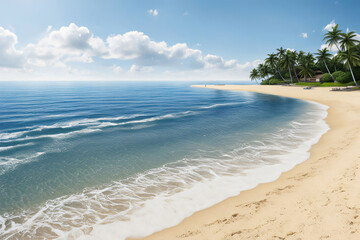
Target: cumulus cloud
69,43
153,12
143,51
329,26
304,35
59,48
9,56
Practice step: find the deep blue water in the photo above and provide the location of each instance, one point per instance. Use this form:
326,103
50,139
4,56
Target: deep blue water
63,138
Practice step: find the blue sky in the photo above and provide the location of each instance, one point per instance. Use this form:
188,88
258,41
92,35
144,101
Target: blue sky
157,40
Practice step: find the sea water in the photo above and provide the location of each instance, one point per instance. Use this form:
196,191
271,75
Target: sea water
111,160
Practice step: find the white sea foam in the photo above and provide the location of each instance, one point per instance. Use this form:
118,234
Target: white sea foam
14,146
222,104
162,197
89,124
8,163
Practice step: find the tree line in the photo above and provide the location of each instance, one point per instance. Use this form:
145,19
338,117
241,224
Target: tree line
288,66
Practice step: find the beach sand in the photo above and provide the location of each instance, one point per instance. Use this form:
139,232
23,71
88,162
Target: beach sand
318,199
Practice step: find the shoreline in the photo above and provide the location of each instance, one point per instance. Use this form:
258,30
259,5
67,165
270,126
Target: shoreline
293,207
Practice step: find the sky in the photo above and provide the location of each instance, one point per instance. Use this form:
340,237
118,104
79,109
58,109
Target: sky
158,40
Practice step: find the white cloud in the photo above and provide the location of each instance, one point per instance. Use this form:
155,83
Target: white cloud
9,56
329,26
331,49
136,69
304,35
117,69
69,43
153,12
256,63
143,51
357,36
58,50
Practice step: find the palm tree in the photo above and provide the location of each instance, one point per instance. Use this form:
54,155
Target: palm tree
335,61
324,56
309,58
350,57
264,71
281,52
300,55
273,61
349,52
333,37
348,40
294,57
254,75
286,62
306,70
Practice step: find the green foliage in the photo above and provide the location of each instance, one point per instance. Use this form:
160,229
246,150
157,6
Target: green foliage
326,84
286,75
326,77
342,77
264,82
337,73
276,81
302,64
356,71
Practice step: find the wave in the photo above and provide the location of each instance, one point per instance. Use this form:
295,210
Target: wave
64,125
95,123
127,208
88,125
222,104
9,163
14,146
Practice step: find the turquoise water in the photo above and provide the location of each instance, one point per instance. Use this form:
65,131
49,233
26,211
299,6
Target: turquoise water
78,159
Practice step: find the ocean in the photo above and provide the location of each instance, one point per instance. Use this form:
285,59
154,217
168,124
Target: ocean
111,160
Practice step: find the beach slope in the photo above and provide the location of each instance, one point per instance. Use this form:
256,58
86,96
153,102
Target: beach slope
318,199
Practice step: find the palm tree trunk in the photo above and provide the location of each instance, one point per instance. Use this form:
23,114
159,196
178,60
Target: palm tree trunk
290,73
329,71
352,74
280,75
296,74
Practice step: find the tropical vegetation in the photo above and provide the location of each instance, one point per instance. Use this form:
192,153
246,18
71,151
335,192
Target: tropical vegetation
287,66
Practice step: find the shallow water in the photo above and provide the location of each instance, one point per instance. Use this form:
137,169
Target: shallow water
96,159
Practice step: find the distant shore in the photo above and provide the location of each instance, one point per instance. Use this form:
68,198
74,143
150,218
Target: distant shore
318,199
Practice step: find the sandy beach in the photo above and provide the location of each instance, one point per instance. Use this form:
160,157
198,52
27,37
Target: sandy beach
318,199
